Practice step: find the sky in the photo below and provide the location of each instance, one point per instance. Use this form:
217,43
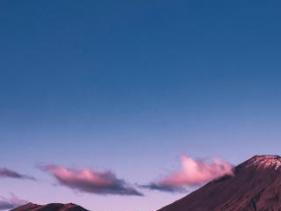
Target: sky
115,105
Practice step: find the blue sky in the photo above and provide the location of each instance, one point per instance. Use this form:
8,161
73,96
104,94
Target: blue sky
132,85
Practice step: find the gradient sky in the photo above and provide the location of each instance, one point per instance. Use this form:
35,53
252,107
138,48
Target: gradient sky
130,86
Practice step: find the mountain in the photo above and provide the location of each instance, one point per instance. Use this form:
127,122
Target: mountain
50,207
254,186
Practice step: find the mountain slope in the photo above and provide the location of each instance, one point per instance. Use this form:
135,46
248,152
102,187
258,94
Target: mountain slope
254,186
50,207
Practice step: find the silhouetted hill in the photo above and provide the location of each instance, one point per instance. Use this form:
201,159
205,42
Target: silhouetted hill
50,207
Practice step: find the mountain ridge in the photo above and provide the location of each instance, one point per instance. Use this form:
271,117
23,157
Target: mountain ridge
254,186
50,207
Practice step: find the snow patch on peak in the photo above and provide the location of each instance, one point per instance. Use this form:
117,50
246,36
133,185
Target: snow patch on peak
265,161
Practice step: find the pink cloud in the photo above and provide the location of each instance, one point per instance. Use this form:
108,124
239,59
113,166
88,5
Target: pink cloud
90,181
193,172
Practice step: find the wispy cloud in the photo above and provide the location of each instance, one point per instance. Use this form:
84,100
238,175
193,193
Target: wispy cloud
193,172
11,202
90,181
8,173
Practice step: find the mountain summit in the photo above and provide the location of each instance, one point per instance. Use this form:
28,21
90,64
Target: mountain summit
50,207
254,186
264,161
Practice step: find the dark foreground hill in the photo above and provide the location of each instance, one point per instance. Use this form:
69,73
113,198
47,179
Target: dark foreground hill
254,186
50,207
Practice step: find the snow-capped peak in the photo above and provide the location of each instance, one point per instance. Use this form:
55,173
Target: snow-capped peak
265,161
